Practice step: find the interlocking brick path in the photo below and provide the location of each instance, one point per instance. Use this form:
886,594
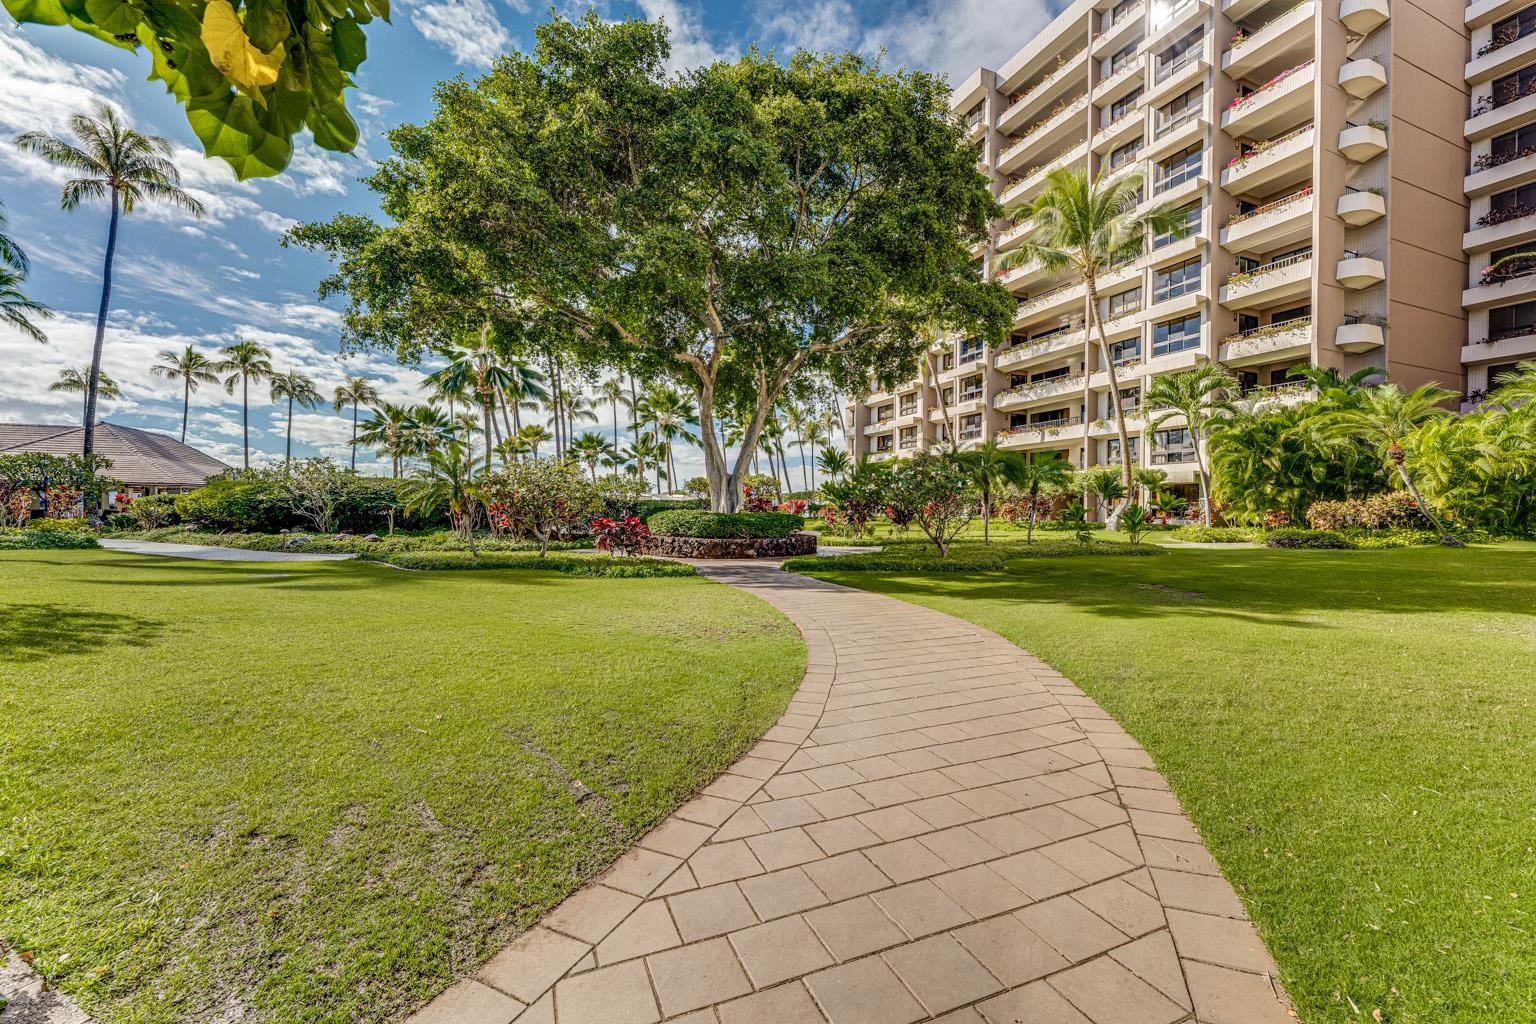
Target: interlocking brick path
939,828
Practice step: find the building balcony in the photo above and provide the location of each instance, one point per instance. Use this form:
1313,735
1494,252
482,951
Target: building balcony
1044,136
1288,34
1130,125
1363,17
1357,272
1269,395
1268,165
1237,10
1283,98
1362,78
1362,142
1175,189
1505,347
1033,180
1064,298
880,426
1495,114
1500,57
1127,371
1170,137
1501,230
1123,325
1038,350
1496,173
1271,226
1113,38
1513,281
1039,391
1126,77
1168,81
1036,99
1273,282
1052,431
1359,337
1360,208
1486,12
1272,342
975,130
1135,423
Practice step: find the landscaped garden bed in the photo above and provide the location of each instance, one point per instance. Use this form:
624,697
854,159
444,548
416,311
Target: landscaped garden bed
698,534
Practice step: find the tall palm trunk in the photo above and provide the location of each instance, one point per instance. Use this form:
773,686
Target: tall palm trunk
288,445
245,417
1203,473
1034,501
1396,456
633,401
615,422
804,479
186,405
354,435
485,410
89,444
1091,286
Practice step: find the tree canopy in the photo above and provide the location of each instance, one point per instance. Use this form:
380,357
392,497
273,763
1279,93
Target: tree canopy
731,227
251,73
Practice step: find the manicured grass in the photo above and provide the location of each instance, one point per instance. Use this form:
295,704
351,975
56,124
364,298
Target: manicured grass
322,791
1352,731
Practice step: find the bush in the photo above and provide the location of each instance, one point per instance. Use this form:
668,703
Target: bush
1394,538
915,556
121,522
75,524
227,503
1059,526
1291,537
42,538
725,524
624,568
646,509
152,511
1386,511
1062,549
1197,534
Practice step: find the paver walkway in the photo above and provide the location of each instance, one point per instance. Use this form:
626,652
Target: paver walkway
214,553
940,828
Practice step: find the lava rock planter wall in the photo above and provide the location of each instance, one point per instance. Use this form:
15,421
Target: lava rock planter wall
671,546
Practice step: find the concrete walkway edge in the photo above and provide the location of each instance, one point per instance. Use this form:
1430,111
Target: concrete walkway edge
939,828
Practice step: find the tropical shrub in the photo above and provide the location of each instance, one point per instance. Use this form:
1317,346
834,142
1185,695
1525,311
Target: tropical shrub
152,511
757,501
1075,518
1066,525
1135,522
63,524
1385,511
725,524
763,485
539,498
619,536
121,521
794,506
1197,534
624,568
14,539
1292,537
643,510
937,488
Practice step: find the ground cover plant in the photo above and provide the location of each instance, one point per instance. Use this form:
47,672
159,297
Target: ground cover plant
425,540
1351,747
322,791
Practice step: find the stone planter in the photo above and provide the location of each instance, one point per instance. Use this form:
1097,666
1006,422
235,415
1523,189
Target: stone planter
667,546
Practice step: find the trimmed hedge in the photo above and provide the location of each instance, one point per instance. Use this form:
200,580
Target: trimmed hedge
45,539
597,566
645,509
1326,540
911,556
725,525
326,544
1195,534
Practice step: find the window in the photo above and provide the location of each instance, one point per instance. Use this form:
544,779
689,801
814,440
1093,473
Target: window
1017,420
1122,155
1285,316
1053,416
1179,55
1513,87
1510,145
1060,371
973,118
1130,399
1179,168
946,361
1176,335
1497,370
1189,226
1179,279
1512,321
883,443
1178,437
1125,351
948,395
909,437
1121,303
1180,109
971,350
970,388
1120,10
1112,449
908,404
1124,105
1516,26
1247,322
1122,58
882,414
970,426
1508,205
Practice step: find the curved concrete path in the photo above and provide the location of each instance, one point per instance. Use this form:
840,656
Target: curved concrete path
940,828
214,553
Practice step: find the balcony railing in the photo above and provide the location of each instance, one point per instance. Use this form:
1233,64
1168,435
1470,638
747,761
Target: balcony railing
1260,148
1267,331
1490,160
1244,276
1270,207
1240,102
1034,302
1061,66
1508,269
1045,428
1509,332
1501,97
1176,178
1042,387
1509,34
1282,390
1244,39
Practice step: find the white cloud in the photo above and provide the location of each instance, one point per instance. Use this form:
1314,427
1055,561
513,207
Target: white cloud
691,45
468,29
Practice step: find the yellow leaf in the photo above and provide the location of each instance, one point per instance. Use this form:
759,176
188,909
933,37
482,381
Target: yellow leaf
231,51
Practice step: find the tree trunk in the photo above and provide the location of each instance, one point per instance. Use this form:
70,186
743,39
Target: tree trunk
186,405
485,412
1395,454
804,478
1091,286
1034,501
288,444
245,417
986,515
89,442
1205,477
354,435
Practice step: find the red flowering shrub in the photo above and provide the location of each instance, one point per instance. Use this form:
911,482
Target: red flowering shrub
622,536
61,501
754,503
794,506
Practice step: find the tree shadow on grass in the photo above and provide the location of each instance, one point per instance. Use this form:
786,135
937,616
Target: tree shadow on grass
33,632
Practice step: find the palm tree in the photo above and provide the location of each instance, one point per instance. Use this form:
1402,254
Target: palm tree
1384,418
354,391
801,421
190,367
1330,384
18,310
447,479
834,462
15,308
1042,474
123,166
1105,484
1150,480
297,388
479,369
524,392
1088,225
244,361
1517,385
385,431
427,430
589,449
534,436
646,450
989,467
1200,397
76,382
668,413
612,392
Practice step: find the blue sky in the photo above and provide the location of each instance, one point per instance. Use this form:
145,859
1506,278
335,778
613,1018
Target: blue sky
205,282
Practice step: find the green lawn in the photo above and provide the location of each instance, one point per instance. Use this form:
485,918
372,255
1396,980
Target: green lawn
1353,732
321,791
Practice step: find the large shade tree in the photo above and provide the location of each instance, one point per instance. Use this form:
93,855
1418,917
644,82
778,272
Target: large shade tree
730,228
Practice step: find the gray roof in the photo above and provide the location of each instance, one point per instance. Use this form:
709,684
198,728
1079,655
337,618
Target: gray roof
140,458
